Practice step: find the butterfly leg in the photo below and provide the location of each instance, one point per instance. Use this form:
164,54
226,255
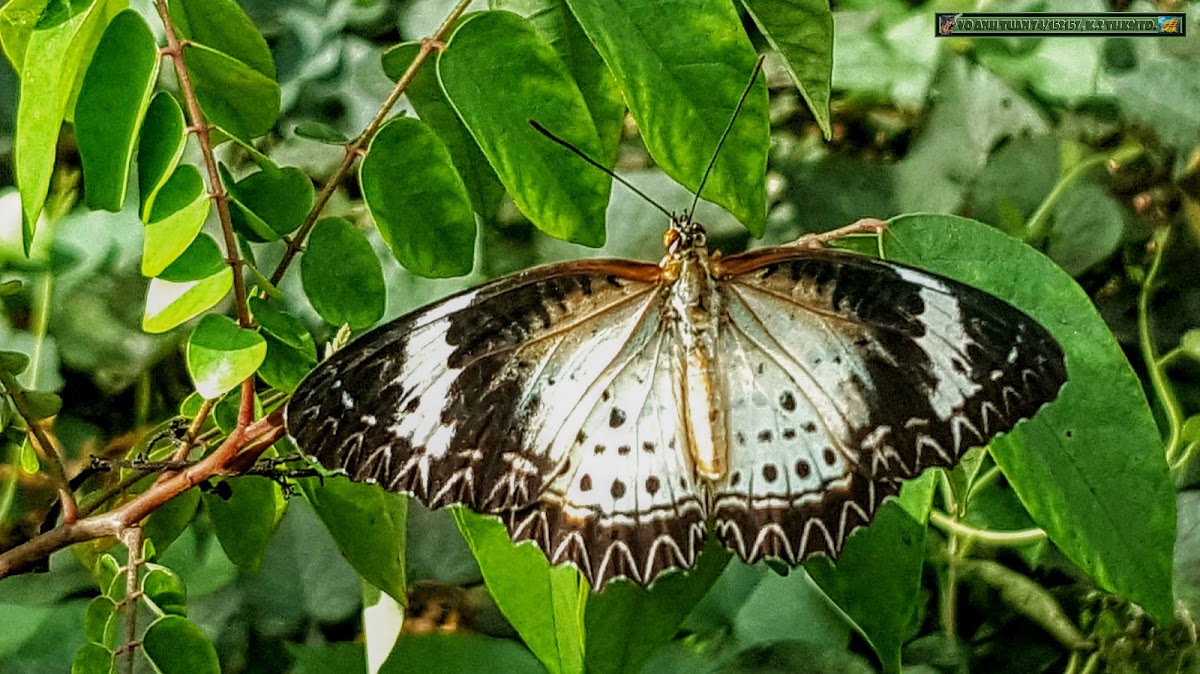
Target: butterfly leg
863,226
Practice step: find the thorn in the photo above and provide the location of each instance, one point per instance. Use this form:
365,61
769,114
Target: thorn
433,44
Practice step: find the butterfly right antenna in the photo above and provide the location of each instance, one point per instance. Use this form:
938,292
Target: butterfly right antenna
728,127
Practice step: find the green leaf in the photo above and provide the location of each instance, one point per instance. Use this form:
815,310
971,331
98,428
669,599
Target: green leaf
877,579
165,588
159,148
100,623
1090,467
323,133
368,525
106,571
112,101
802,32
224,26
682,68
177,214
225,412
30,464
455,653
282,326
93,659
291,351
42,405
221,355
175,645
233,96
429,101
418,200
17,19
626,623
787,608
285,367
166,523
341,275
8,288
13,362
544,604
246,519
499,75
171,303
555,22
270,203
201,260
63,41
1088,228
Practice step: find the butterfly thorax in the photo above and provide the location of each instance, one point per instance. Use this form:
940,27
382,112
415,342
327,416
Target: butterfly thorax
693,315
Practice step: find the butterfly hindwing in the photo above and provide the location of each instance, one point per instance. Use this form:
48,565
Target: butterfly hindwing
847,374
628,505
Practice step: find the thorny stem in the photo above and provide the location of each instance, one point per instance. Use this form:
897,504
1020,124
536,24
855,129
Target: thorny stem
217,192
243,444
46,450
1154,367
994,538
193,431
216,189
356,147
131,538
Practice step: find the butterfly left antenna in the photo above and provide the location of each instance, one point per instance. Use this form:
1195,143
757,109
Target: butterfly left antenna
546,132
728,127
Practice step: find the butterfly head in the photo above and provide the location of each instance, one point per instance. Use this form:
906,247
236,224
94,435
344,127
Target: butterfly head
684,236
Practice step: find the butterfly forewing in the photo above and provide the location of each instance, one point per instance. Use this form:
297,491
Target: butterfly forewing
846,374
465,401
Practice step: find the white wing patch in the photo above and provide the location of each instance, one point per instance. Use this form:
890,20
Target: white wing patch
626,504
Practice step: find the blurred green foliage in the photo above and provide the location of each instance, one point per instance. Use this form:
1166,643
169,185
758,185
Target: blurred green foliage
1013,132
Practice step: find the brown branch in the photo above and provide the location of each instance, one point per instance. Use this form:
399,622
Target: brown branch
357,147
46,450
243,444
131,538
233,256
217,192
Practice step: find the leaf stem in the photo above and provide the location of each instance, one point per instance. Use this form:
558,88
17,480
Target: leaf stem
1003,539
356,148
1155,369
949,602
982,482
1038,225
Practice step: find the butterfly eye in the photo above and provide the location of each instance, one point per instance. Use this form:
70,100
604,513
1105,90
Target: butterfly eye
671,240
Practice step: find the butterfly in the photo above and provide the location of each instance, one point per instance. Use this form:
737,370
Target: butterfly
613,411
